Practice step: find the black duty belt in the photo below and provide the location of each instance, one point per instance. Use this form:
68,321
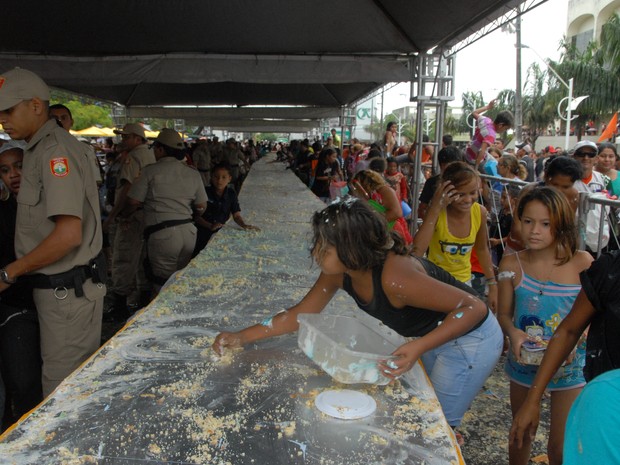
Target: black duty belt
163,225
72,279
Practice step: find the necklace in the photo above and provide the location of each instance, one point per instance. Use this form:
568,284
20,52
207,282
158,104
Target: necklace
544,283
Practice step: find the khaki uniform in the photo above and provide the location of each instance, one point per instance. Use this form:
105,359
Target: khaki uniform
94,163
202,160
217,153
126,251
169,189
57,179
236,160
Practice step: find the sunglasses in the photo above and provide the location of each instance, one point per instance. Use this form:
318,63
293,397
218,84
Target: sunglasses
586,154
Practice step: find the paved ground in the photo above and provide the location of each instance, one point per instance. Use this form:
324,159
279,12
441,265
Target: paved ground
486,425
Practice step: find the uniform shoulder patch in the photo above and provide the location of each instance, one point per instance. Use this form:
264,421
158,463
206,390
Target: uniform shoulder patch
2,81
59,167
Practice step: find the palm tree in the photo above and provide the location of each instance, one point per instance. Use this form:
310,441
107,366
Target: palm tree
538,105
596,73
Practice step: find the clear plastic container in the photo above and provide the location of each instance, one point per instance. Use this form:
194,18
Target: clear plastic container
344,347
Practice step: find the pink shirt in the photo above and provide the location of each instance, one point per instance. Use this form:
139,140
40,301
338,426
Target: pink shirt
485,132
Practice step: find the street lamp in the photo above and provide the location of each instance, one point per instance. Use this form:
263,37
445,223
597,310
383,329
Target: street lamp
571,104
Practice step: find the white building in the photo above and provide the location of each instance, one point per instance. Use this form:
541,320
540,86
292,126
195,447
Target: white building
586,18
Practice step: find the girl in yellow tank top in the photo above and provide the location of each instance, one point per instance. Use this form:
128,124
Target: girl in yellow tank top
454,225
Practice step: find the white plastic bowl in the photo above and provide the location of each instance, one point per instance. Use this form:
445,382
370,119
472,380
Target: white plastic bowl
344,347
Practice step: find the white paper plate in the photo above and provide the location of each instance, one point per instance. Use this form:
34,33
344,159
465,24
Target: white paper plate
345,404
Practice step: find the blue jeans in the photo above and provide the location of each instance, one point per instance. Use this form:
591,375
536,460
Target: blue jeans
459,368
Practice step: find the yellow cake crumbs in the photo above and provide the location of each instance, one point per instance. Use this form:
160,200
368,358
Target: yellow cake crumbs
211,285
289,430
225,358
203,341
207,430
182,389
162,310
72,457
379,440
154,449
436,432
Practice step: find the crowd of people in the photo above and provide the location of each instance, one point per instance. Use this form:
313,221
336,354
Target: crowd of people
78,238
499,255
508,239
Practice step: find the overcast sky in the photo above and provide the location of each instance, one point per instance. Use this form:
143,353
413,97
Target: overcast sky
489,65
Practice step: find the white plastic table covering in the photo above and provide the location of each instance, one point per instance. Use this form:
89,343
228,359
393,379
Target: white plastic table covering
155,395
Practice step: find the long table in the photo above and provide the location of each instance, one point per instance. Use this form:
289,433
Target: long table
156,393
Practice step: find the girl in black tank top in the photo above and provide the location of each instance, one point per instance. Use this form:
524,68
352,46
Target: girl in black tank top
352,246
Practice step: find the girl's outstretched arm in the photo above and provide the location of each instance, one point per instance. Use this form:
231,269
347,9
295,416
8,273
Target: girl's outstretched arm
404,286
285,321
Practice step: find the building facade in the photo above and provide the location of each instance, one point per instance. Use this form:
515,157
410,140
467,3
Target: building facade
586,18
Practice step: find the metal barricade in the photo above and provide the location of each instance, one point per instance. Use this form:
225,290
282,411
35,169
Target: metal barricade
587,203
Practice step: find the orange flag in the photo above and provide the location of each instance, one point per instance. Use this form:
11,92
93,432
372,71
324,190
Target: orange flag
610,130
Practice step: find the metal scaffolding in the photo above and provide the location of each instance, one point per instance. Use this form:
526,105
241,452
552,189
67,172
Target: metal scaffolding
432,85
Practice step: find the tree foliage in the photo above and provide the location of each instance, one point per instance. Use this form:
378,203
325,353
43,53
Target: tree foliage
595,72
538,108
261,136
87,115
86,111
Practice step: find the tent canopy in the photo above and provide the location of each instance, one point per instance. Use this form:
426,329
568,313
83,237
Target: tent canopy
154,54
94,131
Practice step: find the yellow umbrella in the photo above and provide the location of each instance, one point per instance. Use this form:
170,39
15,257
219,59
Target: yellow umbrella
92,131
108,132
154,134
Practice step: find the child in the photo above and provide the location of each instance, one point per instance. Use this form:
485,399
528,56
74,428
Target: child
355,251
562,173
370,186
20,350
597,308
537,289
221,204
396,180
327,170
454,225
486,131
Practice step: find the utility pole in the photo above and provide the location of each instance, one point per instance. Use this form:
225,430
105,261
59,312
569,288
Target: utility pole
519,87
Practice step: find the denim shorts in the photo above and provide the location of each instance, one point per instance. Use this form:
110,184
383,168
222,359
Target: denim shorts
459,368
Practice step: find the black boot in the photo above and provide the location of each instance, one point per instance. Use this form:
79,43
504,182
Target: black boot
118,312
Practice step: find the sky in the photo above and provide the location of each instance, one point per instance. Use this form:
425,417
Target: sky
489,65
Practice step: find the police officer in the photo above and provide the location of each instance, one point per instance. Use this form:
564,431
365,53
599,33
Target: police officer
62,114
236,160
171,193
58,229
202,160
126,251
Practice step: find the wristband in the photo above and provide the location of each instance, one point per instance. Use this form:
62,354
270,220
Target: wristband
4,277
